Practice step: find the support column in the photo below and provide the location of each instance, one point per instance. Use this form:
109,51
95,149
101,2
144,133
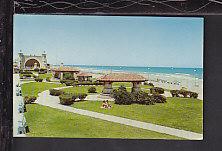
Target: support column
136,87
61,75
107,88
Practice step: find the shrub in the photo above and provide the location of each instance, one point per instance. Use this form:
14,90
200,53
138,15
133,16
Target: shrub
92,90
74,97
69,83
29,99
67,76
156,90
175,93
122,97
66,99
55,92
159,98
25,72
38,79
36,70
48,79
142,97
64,81
82,96
184,93
34,76
193,95
27,75
122,88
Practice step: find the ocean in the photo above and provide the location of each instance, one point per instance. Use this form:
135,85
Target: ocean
194,72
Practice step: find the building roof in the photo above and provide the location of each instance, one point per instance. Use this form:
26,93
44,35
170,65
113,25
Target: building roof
84,74
122,77
65,69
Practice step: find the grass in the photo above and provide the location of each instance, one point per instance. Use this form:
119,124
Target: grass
180,113
33,88
45,75
82,89
48,122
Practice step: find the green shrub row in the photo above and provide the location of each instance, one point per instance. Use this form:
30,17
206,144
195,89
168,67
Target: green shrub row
156,90
184,93
122,97
55,92
76,83
29,99
92,89
38,79
68,99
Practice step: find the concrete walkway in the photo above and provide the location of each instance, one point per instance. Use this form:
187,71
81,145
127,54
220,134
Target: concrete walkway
53,102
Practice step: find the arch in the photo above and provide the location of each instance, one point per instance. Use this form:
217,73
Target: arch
31,62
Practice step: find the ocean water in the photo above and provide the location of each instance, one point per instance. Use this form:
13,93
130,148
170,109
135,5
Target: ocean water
194,72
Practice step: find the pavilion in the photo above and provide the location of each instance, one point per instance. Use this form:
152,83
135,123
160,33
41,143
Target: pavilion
83,76
121,77
63,69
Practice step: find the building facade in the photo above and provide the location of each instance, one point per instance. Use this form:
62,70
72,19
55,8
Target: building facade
32,61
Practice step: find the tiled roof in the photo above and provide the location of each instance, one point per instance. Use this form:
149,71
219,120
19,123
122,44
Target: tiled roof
65,69
84,74
122,77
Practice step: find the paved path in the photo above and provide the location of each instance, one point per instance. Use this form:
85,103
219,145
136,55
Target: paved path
53,101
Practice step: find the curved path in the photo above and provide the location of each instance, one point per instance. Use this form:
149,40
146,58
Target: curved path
53,101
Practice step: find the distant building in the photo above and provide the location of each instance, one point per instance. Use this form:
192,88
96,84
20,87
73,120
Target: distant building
32,61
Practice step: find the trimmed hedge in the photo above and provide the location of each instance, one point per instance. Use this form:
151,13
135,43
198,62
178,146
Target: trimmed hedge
29,99
92,90
157,98
55,92
142,98
38,79
66,99
184,93
156,90
82,96
25,72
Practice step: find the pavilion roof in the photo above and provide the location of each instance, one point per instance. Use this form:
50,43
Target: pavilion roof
122,77
65,69
84,74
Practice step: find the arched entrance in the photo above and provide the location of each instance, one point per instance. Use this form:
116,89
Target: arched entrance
31,63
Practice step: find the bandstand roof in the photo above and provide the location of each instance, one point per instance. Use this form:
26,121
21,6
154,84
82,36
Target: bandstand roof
65,69
84,74
122,77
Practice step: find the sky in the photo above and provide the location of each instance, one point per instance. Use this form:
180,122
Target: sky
111,40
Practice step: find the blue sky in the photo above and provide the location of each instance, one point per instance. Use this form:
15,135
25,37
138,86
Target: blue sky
111,40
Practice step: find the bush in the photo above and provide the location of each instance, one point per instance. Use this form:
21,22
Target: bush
175,93
67,76
122,88
92,90
64,81
184,93
69,83
55,92
193,95
159,98
122,97
48,79
74,97
141,97
66,99
156,90
29,99
38,79
82,96
36,70
25,72
27,75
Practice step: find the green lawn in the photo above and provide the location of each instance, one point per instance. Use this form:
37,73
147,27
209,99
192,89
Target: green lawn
180,113
46,75
48,122
82,89
33,88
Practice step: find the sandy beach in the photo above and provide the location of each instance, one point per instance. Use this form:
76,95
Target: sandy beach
166,81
